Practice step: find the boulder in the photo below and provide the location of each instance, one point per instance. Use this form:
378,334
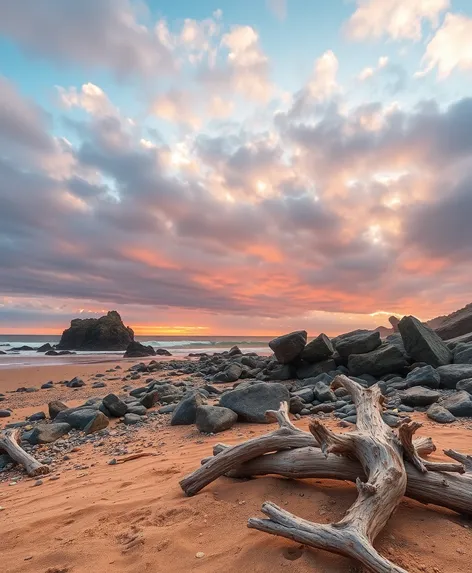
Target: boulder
323,393
425,376
47,386
45,348
459,404
76,382
162,352
137,350
318,349
386,359
296,405
5,413
80,418
214,419
136,409
465,384
185,412
422,343
251,402
393,320
230,374
97,423
115,406
47,433
234,351
419,396
439,414
456,324
308,370
358,344
105,333
451,374
462,353
55,407
282,372
131,419
36,417
288,346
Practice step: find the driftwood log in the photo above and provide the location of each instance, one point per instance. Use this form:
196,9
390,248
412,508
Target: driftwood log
384,466
9,444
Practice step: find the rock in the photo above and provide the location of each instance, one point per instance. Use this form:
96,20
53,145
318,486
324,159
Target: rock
137,350
296,405
5,413
358,344
308,370
422,343
393,320
55,407
47,386
456,324
131,419
149,399
459,403
439,414
5,461
451,374
465,384
419,396
318,349
251,402
52,353
288,346
104,333
80,418
167,409
97,423
162,352
230,374
234,351
47,433
325,408
386,359
185,412
323,393
75,383
306,394
282,372
425,376
137,409
214,419
44,348
462,353
23,348
99,385
115,406
36,417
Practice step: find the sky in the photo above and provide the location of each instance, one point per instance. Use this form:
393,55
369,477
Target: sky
221,167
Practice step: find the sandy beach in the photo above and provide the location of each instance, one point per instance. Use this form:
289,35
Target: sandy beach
133,517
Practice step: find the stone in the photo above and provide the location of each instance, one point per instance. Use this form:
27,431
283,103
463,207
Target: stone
97,423
214,419
75,383
115,406
425,376
234,351
251,402
107,333
167,409
358,344
462,353
288,346
296,405
393,320
230,374
137,350
419,396
465,384
422,343
439,414
318,349
458,323
99,385
47,386
79,418
459,403
185,412
306,394
451,374
309,370
325,408
149,399
282,372
323,393
384,360
5,413
44,348
36,417
137,409
131,419
47,433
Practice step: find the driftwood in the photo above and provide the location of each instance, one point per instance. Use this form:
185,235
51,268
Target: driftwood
9,444
392,465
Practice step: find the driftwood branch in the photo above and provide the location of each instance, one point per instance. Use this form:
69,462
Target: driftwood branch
9,444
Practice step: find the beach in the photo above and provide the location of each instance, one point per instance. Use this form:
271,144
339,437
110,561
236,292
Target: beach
133,517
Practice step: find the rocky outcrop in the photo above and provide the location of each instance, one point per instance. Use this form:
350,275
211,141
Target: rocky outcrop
358,344
456,324
104,333
251,402
288,346
137,350
422,343
318,349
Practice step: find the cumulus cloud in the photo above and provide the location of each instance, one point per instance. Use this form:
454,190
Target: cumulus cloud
397,19
451,47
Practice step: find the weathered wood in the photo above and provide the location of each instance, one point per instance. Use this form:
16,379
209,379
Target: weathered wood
9,444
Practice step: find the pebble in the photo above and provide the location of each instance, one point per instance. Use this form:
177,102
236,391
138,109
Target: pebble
38,482
199,555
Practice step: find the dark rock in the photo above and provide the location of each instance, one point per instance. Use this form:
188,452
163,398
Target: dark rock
391,420
47,433
23,348
104,333
52,353
45,347
5,413
230,374
36,417
97,423
306,394
323,393
26,390
451,374
131,419
234,351
5,459
465,385
167,409
55,407
251,402
458,323
288,346
214,419
426,376
162,352
358,344
137,409
99,385
422,343
137,392
393,320
459,403
439,414
463,353
296,405
115,406
137,350
308,370
185,412
149,399
350,419
282,372
47,386
325,408
75,383
318,349
385,359
419,396
80,418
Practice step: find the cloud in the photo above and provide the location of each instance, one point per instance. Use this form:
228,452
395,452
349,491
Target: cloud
392,76
89,97
397,19
278,8
450,48
103,34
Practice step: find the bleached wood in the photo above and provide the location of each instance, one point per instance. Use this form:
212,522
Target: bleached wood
9,444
